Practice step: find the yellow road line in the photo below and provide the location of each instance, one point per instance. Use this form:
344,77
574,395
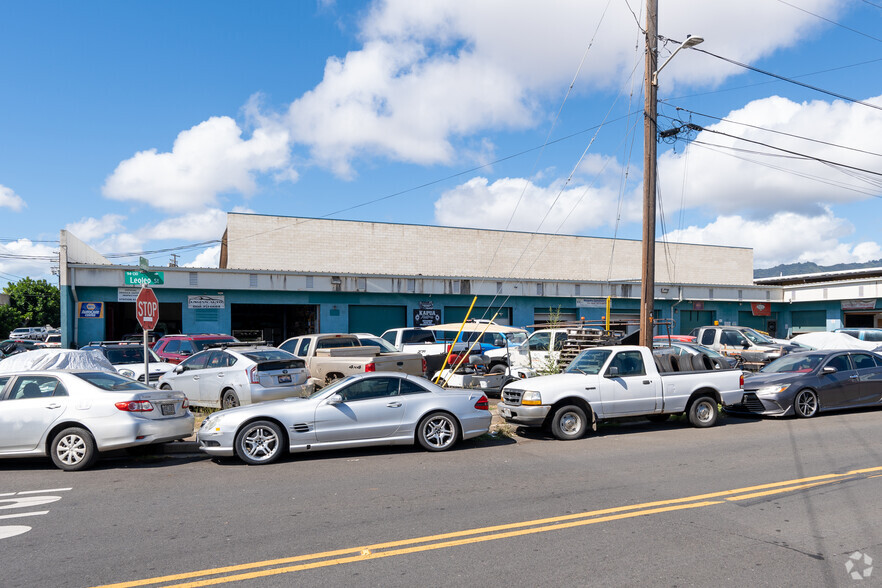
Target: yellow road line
493,532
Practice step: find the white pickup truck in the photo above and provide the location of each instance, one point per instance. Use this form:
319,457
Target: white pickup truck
422,341
619,381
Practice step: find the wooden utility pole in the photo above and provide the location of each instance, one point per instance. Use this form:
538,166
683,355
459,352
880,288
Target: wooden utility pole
647,289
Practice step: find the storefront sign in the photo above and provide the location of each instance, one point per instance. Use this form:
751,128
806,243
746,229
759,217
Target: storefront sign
205,301
427,305
127,294
698,305
90,310
591,302
135,278
761,308
862,304
426,317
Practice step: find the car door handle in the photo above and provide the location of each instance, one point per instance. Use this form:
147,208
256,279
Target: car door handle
855,377
400,363
53,405
647,381
394,404
220,375
195,377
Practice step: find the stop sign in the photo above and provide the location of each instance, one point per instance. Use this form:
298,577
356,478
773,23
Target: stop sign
147,309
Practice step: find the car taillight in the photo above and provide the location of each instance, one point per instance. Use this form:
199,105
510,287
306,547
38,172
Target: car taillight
741,381
186,404
135,406
425,365
482,403
370,367
253,375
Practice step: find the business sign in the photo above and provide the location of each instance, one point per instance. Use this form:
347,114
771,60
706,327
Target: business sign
90,310
205,301
127,294
425,317
427,305
761,308
591,302
864,304
698,305
136,278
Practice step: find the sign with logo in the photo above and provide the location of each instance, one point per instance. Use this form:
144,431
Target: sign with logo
423,317
761,308
698,305
147,309
427,305
127,294
90,310
136,278
591,302
205,301
863,304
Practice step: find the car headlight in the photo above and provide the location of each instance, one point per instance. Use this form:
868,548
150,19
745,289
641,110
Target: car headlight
531,398
772,390
208,424
127,373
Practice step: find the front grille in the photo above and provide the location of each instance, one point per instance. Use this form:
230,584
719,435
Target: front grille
153,377
750,402
512,397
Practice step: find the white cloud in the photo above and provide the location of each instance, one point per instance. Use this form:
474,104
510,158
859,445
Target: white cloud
207,160
208,258
195,226
785,237
728,182
478,203
28,259
9,199
90,228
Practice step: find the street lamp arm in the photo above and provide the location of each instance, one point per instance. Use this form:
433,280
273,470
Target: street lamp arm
689,42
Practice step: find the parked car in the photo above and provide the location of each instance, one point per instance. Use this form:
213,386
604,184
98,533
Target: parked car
177,348
72,416
541,349
53,340
238,373
128,359
331,356
13,346
366,409
33,333
692,350
864,334
422,341
612,382
807,383
753,348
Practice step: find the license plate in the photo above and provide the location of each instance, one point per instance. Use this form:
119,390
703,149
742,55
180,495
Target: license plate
167,409
504,413
285,379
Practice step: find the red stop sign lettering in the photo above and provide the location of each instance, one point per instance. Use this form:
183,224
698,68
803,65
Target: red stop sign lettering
147,309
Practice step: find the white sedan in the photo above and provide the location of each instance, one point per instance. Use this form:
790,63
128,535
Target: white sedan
72,415
380,408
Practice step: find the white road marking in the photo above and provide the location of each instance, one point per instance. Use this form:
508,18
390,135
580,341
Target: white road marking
25,499
12,531
24,514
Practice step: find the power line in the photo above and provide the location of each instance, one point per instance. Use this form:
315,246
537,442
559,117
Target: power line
833,22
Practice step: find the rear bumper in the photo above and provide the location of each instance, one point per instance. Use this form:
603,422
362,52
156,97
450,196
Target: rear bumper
262,393
139,431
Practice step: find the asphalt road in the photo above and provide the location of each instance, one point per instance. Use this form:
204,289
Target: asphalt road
749,502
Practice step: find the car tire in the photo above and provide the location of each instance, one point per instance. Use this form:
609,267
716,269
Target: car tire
658,418
229,399
569,422
499,368
437,431
259,443
165,387
73,449
805,403
703,412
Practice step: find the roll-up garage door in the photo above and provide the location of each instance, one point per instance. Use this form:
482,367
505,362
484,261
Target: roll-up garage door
376,319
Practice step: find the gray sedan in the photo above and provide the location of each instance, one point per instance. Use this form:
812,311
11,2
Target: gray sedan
807,383
71,415
382,408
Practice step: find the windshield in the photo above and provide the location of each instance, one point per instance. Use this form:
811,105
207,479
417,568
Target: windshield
111,382
516,338
588,362
332,387
795,363
130,354
756,337
268,355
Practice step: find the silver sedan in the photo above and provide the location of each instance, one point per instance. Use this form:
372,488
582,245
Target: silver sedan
382,408
72,415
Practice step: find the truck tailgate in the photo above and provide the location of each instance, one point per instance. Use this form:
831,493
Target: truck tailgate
408,363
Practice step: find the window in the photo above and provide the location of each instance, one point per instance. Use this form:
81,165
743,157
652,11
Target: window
194,279
411,285
219,359
629,363
539,341
370,388
309,282
173,346
335,342
252,280
499,287
540,289
390,337
578,289
414,336
733,338
36,387
290,345
3,381
108,381
304,347
707,338
862,361
840,362
408,387
626,290
197,362
559,339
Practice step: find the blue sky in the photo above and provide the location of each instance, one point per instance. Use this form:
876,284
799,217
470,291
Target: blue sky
137,125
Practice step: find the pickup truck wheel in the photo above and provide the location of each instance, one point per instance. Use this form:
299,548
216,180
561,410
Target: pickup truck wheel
569,422
805,404
703,412
658,418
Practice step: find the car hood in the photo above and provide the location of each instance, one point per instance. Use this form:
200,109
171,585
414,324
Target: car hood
759,380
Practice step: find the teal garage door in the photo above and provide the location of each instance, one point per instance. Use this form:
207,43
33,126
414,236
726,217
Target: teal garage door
376,319
691,319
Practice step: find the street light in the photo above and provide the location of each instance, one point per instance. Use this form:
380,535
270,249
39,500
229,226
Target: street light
650,111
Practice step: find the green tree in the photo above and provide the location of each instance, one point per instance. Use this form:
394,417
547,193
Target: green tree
10,319
37,302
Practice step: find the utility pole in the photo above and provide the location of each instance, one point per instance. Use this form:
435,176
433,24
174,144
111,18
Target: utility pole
173,262
650,108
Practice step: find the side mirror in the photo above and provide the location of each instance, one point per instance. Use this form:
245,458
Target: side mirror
335,399
829,370
612,372
179,369
746,345
185,353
